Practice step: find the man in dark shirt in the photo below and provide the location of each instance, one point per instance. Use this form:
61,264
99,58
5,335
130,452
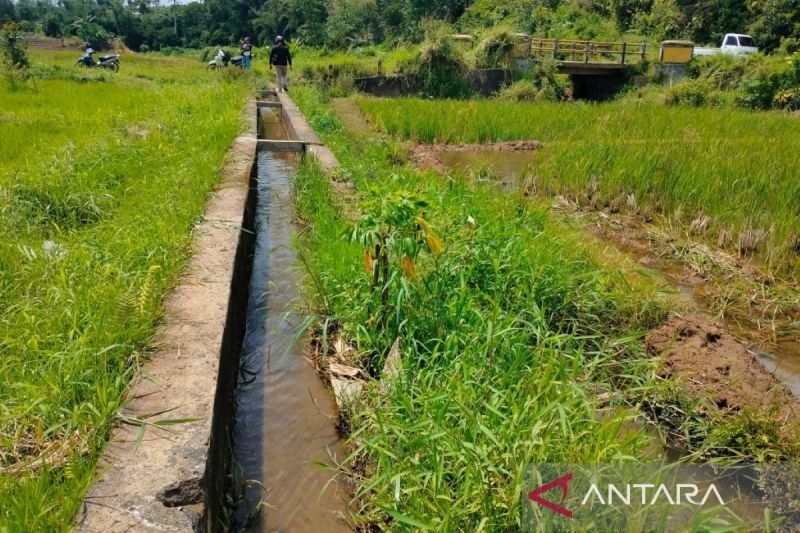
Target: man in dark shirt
281,58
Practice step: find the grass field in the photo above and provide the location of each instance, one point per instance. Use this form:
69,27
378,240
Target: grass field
517,345
736,167
102,177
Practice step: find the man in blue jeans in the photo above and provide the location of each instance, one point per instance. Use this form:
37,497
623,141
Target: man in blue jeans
247,52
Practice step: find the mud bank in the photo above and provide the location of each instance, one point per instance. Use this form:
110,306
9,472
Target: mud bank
712,363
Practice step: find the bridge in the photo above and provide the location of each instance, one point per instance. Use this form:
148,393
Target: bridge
587,58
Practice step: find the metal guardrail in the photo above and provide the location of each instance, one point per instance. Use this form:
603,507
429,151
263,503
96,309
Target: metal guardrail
586,52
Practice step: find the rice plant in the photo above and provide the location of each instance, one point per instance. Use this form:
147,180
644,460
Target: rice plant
737,168
102,178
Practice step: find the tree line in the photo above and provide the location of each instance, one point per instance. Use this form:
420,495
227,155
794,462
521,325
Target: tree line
154,25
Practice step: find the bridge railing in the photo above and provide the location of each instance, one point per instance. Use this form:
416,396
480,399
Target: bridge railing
587,52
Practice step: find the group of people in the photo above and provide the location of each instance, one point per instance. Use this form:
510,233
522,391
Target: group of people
279,57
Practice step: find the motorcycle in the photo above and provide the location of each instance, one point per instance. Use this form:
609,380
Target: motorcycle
110,62
223,59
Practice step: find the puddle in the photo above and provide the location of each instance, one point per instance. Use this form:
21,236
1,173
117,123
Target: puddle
507,166
285,415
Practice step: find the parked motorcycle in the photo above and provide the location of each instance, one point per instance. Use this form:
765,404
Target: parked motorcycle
223,59
111,62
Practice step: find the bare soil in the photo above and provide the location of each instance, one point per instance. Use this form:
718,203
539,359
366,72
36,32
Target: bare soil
712,363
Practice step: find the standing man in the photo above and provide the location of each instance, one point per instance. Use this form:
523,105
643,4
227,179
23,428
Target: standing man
281,58
247,52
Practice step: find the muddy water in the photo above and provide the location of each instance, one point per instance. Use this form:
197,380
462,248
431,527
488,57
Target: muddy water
507,166
782,358
285,420
271,125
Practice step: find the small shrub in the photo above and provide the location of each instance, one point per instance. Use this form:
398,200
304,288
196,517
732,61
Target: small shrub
440,71
689,92
496,51
788,99
520,91
15,62
790,45
549,85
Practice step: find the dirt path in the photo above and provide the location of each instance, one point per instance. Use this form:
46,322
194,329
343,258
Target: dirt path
352,118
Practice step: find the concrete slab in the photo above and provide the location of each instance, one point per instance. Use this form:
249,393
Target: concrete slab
277,145
325,156
139,480
296,125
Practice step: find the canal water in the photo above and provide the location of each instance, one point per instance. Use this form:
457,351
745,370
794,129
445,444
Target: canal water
285,416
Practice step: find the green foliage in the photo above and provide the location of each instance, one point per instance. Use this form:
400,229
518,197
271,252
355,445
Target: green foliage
520,91
393,231
440,70
690,92
735,166
511,331
345,24
102,179
495,50
788,99
15,63
760,86
12,47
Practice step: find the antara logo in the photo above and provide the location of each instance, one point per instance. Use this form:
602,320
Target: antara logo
628,494
563,482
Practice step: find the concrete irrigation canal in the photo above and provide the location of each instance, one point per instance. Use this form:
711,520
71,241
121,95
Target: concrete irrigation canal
230,423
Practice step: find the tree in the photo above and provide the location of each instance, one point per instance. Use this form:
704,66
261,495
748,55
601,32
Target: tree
6,11
773,20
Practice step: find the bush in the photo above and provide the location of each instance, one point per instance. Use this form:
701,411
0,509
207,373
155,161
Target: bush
15,62
440,71
520,91
689,92
496,50
542,83
788,99
790,45
759,89
13,47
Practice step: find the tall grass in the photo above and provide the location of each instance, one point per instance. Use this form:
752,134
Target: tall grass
737,167
506,340
102,178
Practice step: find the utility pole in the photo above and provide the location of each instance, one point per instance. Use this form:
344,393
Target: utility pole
175,15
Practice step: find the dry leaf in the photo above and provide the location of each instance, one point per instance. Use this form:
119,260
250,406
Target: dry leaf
408,267
368,262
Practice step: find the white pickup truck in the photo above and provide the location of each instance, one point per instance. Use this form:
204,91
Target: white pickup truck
734,44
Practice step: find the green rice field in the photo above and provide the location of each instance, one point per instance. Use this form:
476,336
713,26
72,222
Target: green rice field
737,167
102,177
